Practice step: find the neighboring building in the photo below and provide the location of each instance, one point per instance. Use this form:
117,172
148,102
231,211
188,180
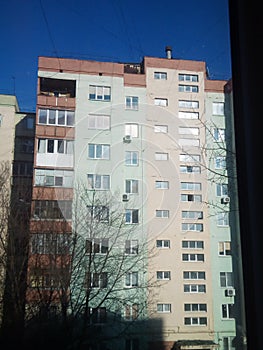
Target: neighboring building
16,165
152,137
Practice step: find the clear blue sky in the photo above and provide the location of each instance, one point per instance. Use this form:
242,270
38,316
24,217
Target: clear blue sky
108,30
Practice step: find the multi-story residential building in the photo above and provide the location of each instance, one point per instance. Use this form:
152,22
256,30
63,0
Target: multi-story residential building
16,166
141,150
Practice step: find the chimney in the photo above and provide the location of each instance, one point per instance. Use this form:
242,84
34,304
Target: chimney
168,50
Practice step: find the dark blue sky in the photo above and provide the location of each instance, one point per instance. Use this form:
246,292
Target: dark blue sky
108,30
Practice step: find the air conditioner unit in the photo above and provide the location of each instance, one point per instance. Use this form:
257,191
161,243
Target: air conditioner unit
125,197
225,200
127,138
230,292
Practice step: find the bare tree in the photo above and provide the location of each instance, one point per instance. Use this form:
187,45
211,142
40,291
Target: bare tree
90,277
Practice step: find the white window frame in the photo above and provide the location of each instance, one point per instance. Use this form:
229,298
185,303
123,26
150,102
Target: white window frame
195,307
60,146
162,213
188,88
190,197
98,182
219,134
190,169
189,257
131,216
163,275
190,158
188,115
226,279
161,185
196,227
161,102
53,178
188,77
188,104
195,321
218,108
131,158
221,190
161,156
226,311
132,279
131,186
164,308
163,243
192,214
98,122
195,186
99,93
192,244
132,130
195,288
220,162
161,129
194,275
224,248
131,246
97,245
160,75
55,120
132,103
222,219
100,151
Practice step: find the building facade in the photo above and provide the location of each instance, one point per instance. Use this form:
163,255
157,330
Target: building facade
132,161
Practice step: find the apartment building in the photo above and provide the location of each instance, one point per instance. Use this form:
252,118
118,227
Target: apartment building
144,143
16,166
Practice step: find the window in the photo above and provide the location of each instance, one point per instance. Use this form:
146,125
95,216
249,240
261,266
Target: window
195,307
226,279
227,343
219,134
188,131
191,198
56,117
55,146
164,308
162,102
160,75
46,279
193,257
164,185
48,243
131,312
131,216
194,275
97,151
132,130
23,169
131,186
189,142
221,190
187,88
163,243
190,158
24,145
162,213
222,219
98,315
190,169
132,102
99,213
195,321
224,248
228,311
161,156
98,122
97,245
99,93
194,288
188,77
195,186
98,182
193,244
53,178
188,115
96,280
161,128
131,279
220,162
218,108
188,104
44,209
163,275
192,214
192,227
131,246
131,158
